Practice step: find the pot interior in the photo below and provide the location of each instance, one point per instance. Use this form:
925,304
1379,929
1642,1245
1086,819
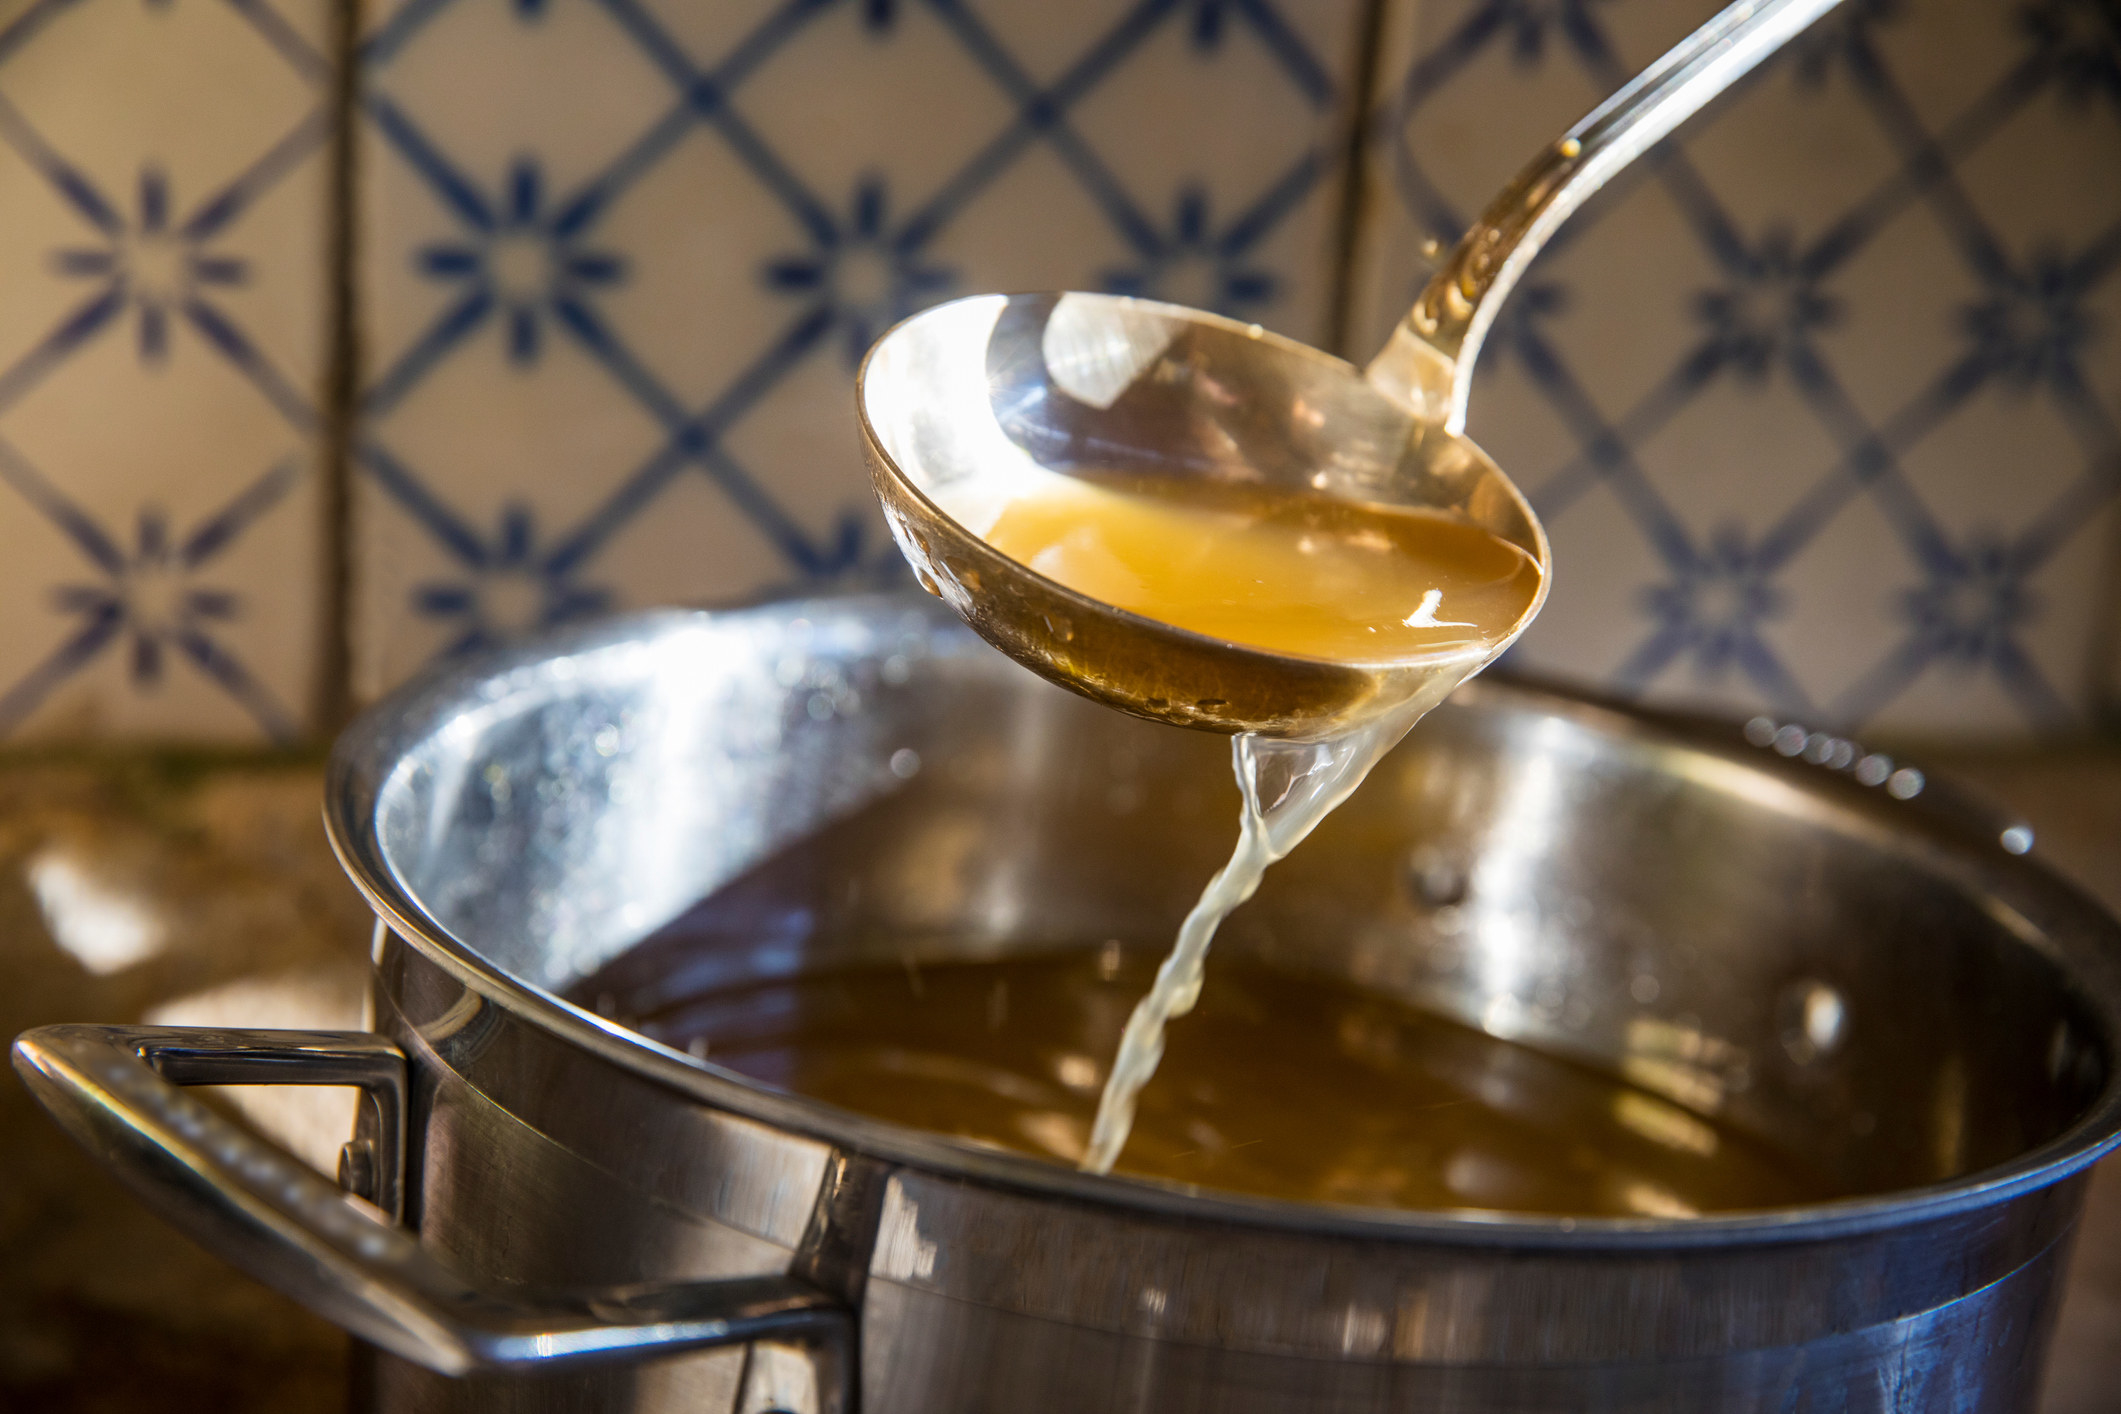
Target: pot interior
804,789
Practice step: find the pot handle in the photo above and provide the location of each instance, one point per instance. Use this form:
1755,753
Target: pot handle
113,1088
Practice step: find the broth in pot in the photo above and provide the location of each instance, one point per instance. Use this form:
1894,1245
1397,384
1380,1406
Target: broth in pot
1278,1085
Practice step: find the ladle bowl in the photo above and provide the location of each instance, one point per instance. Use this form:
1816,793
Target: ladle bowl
973,403
970,405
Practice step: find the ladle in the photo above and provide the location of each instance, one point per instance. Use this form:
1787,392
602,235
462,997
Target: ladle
968,405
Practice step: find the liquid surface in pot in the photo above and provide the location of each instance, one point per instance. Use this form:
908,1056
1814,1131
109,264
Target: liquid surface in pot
1279,1085
1299,574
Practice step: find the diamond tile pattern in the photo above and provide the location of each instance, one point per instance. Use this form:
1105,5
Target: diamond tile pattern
1821,406
163,170
621,259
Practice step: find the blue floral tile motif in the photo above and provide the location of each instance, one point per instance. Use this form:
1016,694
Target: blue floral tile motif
151,598
1712,610
865,276
515,147
1822,406
158,431
2031,328
524,263
2078,46
1233,285
1765,315
1970,612
148,266
512,588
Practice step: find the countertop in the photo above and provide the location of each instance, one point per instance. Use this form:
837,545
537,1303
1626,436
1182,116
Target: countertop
195,890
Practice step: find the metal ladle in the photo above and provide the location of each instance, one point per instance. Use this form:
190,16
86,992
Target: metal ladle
968,405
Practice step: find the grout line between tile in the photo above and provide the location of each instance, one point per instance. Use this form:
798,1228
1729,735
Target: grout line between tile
334,675
1355,195
2102,669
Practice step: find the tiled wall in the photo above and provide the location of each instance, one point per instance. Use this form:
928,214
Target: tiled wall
1822,409
619,259
164,171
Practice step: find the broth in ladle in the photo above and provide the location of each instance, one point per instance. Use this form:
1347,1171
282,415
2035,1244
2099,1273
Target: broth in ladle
1302,574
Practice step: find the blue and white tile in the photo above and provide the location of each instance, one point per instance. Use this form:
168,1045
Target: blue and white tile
620,257
1824,409
163,288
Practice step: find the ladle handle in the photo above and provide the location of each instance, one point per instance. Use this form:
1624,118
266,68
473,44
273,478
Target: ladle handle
114,1089
1428,362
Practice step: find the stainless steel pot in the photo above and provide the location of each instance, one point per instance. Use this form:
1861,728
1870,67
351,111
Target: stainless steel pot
559,1209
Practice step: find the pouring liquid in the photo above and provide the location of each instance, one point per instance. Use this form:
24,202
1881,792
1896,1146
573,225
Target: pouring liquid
1292,573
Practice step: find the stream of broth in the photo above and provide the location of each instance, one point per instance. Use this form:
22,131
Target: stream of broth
1292,573
1281,1085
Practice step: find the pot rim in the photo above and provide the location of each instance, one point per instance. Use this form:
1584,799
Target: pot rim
367,753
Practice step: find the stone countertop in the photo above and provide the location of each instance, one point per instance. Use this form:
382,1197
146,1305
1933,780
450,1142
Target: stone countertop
186,890
200,891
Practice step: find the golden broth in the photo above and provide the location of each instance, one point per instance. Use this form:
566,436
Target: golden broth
1279,1085
1287,572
